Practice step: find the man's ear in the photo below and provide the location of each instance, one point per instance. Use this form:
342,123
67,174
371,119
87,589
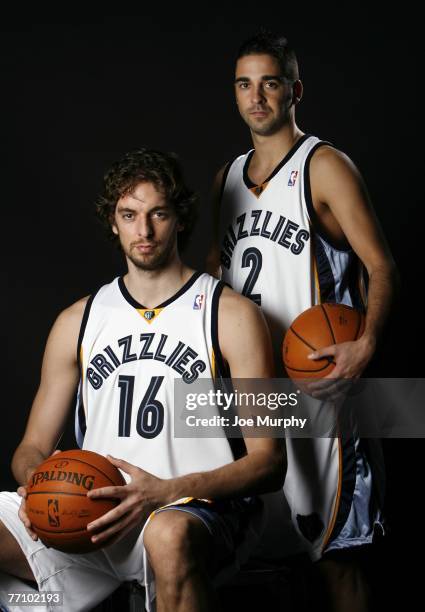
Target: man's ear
297,91
113,224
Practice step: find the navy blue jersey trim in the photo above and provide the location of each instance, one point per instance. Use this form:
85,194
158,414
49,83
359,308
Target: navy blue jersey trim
130,299
224,179
81,417
280,165
309,200
222,369
349,470
324,273
83,328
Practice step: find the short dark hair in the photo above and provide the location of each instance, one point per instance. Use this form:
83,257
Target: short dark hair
268,43
151,166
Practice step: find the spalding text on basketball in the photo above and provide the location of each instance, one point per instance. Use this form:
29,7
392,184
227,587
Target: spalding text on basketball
86,481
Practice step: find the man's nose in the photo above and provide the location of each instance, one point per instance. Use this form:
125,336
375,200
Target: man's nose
257,92
144,226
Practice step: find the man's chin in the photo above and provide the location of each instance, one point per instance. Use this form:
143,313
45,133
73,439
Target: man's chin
148,263
265,129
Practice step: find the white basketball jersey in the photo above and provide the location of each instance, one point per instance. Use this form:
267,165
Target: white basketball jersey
272,252
269,251
130,357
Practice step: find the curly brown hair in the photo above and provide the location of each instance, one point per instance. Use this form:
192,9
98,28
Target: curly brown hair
148,165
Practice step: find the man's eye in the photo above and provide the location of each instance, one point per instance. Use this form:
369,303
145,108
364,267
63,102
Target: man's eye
243,85
127,215
271,84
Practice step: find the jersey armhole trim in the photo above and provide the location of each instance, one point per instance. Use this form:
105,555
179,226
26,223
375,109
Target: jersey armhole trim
314,220
221,368
83,329
223,181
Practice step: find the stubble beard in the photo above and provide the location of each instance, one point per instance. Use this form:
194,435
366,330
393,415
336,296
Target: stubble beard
155,261
270,127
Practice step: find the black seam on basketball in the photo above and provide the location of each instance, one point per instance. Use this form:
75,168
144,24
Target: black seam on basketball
53,533
302,339
64,493
85,463
329,323
318,370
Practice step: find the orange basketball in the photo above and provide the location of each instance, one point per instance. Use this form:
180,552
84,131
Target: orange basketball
57,504
316,328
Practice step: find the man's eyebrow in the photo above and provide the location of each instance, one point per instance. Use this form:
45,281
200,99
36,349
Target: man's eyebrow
264,77
273,77
125,209
128,209
161,207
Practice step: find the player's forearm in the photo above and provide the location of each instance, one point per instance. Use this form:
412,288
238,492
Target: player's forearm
383,285
256,473
25,459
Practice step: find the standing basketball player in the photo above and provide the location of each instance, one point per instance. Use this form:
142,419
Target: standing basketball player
127,344
294,228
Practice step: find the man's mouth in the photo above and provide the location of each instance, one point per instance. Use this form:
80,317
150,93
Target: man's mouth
144,248
258,113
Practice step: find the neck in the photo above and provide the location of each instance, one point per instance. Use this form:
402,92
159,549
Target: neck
270,150
152,287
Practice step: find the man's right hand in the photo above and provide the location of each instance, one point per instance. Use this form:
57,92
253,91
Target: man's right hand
22,491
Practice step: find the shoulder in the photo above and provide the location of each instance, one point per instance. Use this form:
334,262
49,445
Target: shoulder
70,318
219,179
62,342
237,313
220,174
326,160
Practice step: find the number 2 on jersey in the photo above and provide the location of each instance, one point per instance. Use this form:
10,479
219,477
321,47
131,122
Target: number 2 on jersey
150,417
252,258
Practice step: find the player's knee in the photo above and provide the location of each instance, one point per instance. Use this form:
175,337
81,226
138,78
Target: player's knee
172,542
6,549
12,559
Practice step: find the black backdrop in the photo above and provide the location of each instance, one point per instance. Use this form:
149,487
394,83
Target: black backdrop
79,92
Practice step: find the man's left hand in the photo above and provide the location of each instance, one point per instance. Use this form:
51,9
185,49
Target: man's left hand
138,498
350,358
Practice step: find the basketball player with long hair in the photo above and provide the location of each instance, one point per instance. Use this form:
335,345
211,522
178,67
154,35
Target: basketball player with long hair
294,227
189,508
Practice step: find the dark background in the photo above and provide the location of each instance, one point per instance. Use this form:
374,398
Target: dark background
78,93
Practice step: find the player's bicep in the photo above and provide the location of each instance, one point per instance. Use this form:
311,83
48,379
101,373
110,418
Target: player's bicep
58,383
339,184
244,337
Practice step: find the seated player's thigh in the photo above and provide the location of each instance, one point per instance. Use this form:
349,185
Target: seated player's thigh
12,558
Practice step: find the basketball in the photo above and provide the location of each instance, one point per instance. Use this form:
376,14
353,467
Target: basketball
316,328
57,504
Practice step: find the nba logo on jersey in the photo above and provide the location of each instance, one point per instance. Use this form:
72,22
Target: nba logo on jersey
199,299
149,314
292,178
